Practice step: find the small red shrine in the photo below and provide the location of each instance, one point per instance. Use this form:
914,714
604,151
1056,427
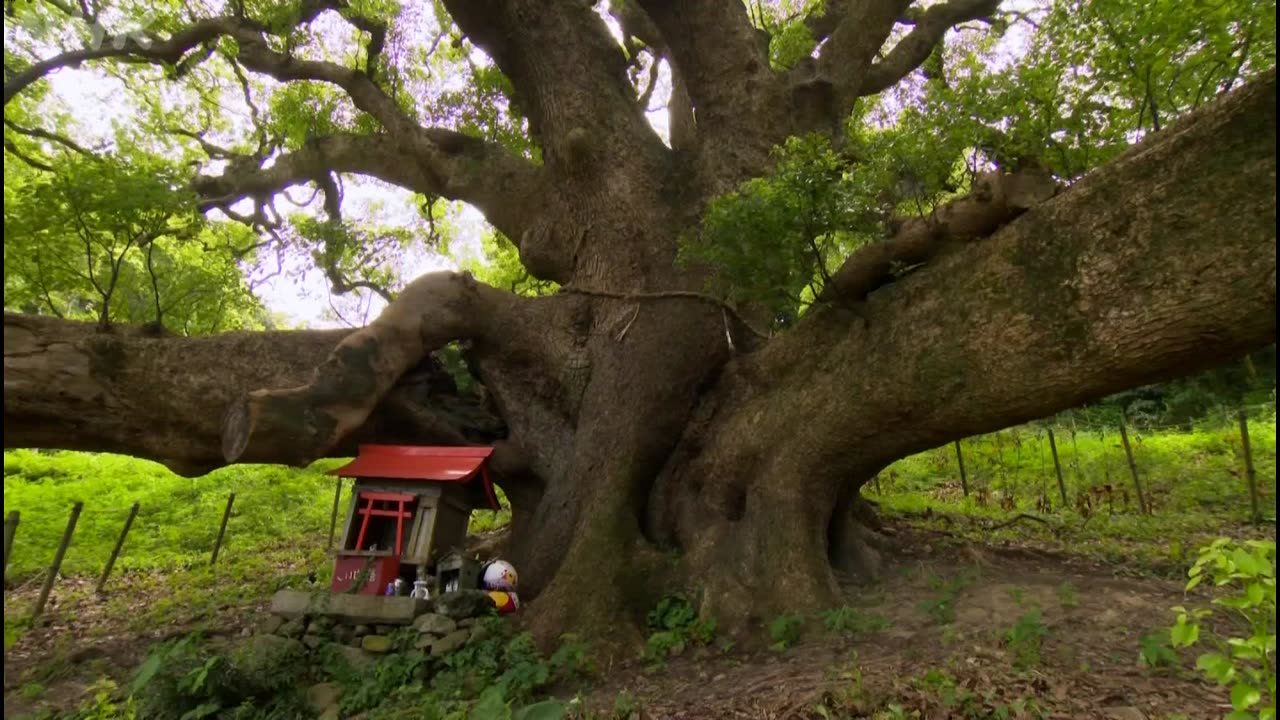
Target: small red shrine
410,504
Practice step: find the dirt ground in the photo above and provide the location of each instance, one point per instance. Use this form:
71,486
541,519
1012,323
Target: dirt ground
1087,666
940,650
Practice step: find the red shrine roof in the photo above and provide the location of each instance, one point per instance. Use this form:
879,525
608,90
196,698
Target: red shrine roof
419,462
416,462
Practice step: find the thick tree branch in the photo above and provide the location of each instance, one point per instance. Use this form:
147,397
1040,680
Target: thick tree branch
910,52
593,135
639,31
168,52
847,54
727,105
578,99
253,51
1157,265
722,58
855,34
347,387
646,93
821,25
42,134
132,392
449,164
997,199
680,115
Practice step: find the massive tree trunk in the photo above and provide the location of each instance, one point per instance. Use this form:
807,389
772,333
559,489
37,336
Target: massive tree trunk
633,415
1158,265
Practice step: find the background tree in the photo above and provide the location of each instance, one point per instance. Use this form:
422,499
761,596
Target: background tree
743,256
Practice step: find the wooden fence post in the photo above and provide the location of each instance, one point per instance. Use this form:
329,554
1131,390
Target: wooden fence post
57,560
964,482
333,518
1004,480
115,552
1133,467
222,529
10,529
1057,468
1250,474
1075,452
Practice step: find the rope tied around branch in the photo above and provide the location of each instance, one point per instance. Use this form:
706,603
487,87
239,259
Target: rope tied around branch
725,308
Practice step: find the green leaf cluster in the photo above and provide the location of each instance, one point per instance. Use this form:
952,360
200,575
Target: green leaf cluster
1092,77
500,266
674,626
1245,575
117,238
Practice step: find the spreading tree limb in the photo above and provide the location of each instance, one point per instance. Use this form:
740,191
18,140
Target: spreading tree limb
578,99
449,164
722,58
310,419
169,51
1152,267
132,391
852,46
1156,265
636,25
911,51
174,50
855,33
996,199
42,134
442,162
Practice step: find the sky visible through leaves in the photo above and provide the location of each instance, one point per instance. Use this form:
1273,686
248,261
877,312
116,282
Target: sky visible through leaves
98,105
1068,82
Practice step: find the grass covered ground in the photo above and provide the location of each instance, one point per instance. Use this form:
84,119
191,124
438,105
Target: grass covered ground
1195,470
1194,481
1193,478
276,535
163,586
178,517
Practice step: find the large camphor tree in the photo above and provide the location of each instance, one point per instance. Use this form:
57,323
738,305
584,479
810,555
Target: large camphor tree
742,257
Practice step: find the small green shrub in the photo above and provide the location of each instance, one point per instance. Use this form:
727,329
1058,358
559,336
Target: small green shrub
1025,637
494,706
941,607
625,706
105,705
1068,596
851,621
184,680
394,674
1246,573
1157,650
952,695
571,660
673,626
785,631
